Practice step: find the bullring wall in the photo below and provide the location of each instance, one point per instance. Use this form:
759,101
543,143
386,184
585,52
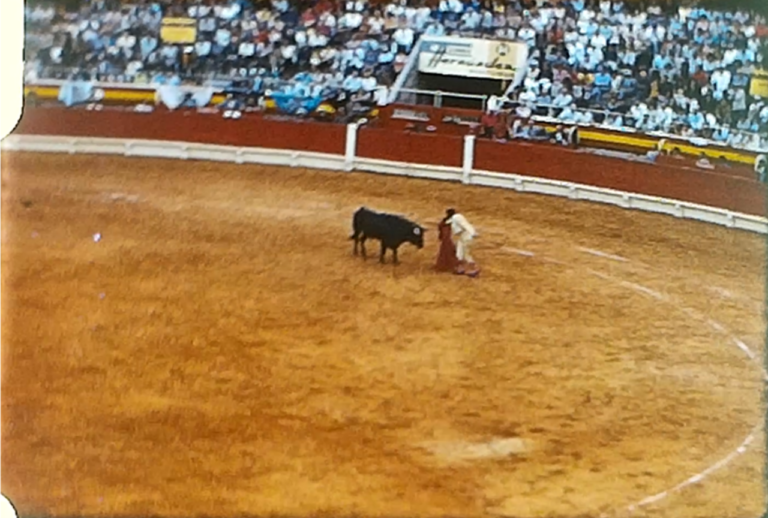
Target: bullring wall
712,189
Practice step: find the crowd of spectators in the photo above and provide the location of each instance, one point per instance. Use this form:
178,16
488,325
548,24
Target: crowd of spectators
275,45
685,71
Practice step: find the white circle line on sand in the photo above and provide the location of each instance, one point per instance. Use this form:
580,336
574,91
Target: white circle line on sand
742,448
721,292
517,251
698,477
599,253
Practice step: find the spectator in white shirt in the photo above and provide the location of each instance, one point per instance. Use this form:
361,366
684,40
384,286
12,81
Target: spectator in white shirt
494,104
127,42
638,112
721,80
470,20
207,25
147,45
169,53
352,83
133,68
223,37
368,82
203,48
246,49
288,52
584,117
316,39
381,96
568,114
562,100
350,21
528,97
375,24
614,121
527,34
403,36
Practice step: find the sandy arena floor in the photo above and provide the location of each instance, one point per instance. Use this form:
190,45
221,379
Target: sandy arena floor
220,351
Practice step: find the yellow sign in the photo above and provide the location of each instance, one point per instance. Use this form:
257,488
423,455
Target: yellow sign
179,30
759,84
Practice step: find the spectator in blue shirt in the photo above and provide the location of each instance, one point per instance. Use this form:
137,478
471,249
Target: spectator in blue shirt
696,120
352,83
603,80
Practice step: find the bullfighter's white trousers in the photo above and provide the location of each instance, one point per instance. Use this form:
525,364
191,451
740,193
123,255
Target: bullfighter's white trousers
463,244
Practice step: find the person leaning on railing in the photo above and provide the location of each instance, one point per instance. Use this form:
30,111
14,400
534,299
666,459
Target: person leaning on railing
760,167
559,136
520,129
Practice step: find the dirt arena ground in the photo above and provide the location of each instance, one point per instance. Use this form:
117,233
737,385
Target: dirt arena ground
220,352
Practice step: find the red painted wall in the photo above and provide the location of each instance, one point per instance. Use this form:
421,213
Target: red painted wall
417,148
542,160
251,130
557,163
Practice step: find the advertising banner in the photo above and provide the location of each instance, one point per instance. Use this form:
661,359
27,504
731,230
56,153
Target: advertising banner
182,31
471,57
759,84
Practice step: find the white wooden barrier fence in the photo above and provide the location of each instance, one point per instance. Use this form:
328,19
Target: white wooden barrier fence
349,162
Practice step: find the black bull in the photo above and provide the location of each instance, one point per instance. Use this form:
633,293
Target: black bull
391,230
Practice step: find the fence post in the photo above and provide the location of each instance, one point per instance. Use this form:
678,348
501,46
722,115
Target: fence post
468,158
350,148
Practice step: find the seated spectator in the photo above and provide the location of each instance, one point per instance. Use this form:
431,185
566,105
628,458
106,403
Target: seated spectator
584,117
602,80
568,114
538,132
558,136
523,111
562,100
520,129
614,120
721,133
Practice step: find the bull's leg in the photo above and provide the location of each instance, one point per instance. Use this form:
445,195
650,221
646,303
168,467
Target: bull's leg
394,256
362,246
383,251
354,248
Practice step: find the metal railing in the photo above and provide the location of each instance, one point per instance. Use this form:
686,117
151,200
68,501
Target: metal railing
540,111
437,97
549,113
544,112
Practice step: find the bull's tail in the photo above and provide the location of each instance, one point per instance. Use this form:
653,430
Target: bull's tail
356,223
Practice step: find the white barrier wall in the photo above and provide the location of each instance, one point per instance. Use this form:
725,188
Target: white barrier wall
349,162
